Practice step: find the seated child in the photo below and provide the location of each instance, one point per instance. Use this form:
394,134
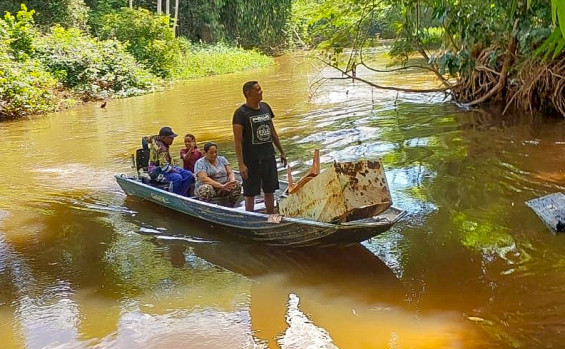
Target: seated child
190,153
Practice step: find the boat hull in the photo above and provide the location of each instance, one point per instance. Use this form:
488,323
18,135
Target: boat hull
255,226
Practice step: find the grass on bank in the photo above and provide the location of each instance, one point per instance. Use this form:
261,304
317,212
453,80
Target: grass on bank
204,60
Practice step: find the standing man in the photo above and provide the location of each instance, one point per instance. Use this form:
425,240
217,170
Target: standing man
254,136
161,163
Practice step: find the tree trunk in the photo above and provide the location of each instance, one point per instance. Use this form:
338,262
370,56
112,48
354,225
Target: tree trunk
167,6
130,3
159,6
176,16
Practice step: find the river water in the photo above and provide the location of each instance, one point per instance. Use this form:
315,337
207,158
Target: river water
470,266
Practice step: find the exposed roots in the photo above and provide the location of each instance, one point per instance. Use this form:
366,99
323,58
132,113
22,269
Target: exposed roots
540,87
481,80
531,86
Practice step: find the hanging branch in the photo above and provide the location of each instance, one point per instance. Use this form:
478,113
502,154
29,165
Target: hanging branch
431,66
347,76
359,41
369,10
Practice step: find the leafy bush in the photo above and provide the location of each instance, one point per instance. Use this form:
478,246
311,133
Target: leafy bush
21,32
150,38
92,68
68,13
25,88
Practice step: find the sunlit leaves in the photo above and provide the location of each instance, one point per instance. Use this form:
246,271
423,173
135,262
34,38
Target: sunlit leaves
337,24
150,38
25,88
203,60
21,32
91,67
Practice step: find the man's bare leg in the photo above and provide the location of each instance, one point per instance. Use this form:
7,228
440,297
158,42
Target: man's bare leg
270,203
249,203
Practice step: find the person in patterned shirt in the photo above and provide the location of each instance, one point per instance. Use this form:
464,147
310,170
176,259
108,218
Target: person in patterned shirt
161,164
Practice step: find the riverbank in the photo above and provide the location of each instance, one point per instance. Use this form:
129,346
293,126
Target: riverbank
49,70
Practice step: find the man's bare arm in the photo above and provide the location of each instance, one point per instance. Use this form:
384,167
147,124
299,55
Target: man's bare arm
277,143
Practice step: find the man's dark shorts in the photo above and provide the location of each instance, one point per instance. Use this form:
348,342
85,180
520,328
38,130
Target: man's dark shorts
261,174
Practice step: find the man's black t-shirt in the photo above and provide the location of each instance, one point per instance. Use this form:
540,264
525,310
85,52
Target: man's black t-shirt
257,127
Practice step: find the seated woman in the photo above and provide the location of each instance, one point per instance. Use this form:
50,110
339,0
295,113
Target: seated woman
214,176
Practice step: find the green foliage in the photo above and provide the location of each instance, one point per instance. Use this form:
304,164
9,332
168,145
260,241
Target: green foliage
21,31
552,47
91,67
335,24
74,14
35,67
25,88
150,38
558,12
67,13
258,24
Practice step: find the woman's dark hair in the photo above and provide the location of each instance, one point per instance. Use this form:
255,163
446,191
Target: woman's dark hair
208,145
193,138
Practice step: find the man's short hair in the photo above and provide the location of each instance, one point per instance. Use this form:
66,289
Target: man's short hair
248,86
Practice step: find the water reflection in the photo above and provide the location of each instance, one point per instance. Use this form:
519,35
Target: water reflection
321,297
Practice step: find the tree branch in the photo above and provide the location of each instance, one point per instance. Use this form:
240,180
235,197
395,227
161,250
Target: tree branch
396,69
390,88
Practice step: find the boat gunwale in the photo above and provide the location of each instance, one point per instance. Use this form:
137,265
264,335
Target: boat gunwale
289,220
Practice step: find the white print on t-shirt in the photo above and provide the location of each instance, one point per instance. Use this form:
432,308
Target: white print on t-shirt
261,128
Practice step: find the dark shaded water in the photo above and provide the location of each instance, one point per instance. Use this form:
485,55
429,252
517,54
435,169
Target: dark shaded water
470,266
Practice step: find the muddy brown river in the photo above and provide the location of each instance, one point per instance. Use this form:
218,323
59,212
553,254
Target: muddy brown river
469,266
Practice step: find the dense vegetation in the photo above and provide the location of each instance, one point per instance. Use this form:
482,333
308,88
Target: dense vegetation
247,23
508,52
75,49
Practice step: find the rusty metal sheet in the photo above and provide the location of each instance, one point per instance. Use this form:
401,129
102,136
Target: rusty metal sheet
344,191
